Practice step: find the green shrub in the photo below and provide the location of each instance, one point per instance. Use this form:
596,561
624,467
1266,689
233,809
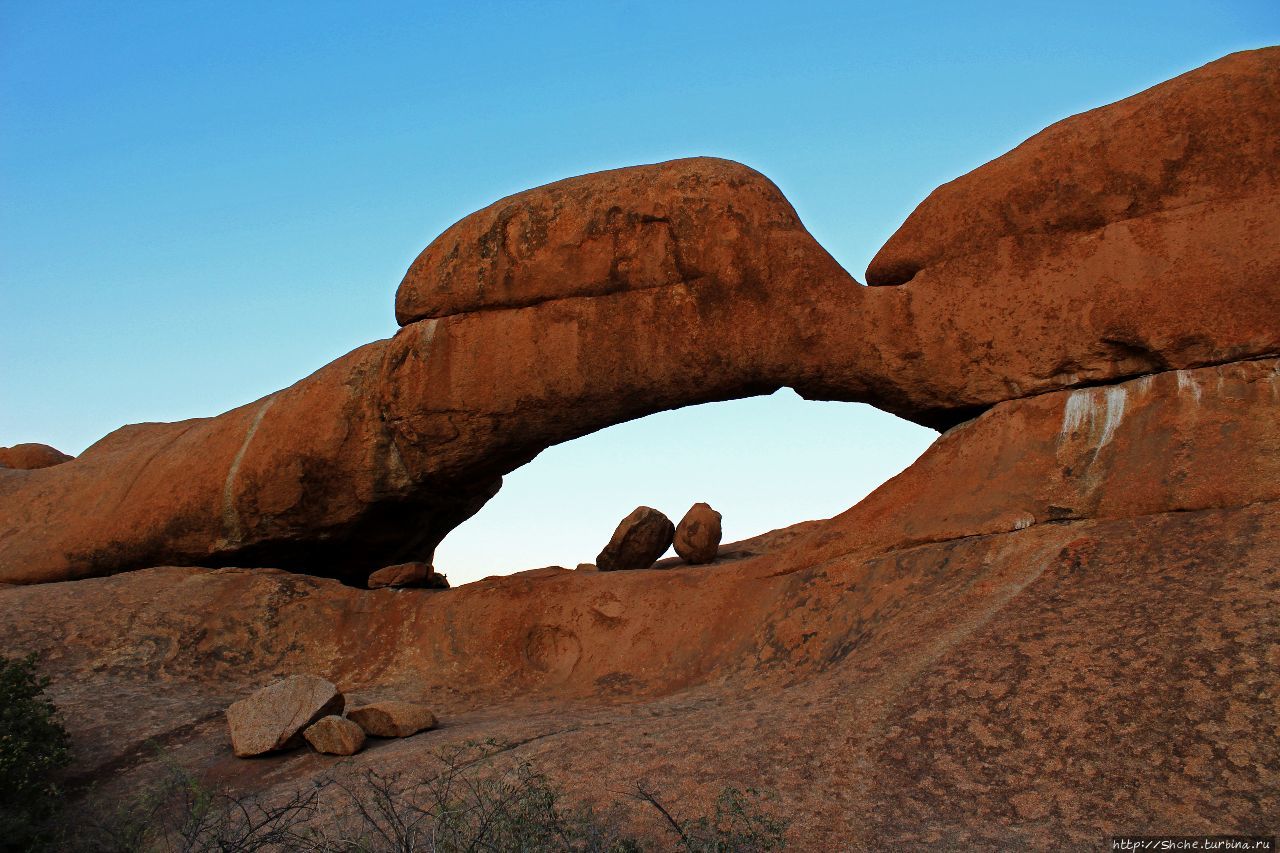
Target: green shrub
33,746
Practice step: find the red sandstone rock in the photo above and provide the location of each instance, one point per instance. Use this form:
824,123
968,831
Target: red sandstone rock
408,575
885,648
1208,136
393,719
697,538
335,735
31,456
602,234
1140,221
273,718
956,661
640,539
1170,442
412,434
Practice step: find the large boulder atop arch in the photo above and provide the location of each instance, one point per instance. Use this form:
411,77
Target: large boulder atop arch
608,232
374,458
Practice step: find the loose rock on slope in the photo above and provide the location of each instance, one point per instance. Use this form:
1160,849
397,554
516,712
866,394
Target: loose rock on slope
273,718
393,718
335,735
697,538
637,543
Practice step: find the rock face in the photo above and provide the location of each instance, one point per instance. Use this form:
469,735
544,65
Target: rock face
335,735
393,719
1086,568
1207,137
603,234
28,457
273,718
697,538
985,604
697,282
1133,236
415,574
638,542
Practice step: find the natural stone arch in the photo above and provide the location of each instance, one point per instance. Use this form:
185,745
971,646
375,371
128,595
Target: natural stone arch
564,309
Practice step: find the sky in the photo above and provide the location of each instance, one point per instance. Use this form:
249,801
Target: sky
201,203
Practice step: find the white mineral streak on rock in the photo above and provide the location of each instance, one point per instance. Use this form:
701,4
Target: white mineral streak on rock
1083,406
1187,382
1079,406
1115,402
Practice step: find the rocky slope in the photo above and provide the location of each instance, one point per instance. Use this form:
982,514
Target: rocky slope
1062,622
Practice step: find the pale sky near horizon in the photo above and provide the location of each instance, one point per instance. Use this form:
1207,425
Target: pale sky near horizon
201,203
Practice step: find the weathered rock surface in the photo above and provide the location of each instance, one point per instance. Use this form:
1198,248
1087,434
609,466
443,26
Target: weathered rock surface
334,735
1130,239
1168,442
697,538
28,457
951,662
637,543
1206,137
393,718
374,458
1058,625
606,233
273,718
415,574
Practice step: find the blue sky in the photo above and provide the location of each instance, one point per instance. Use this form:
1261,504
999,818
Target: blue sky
203,202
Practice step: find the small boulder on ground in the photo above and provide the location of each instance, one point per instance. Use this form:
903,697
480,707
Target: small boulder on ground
641,538
28,457
273,718
697,537
404,575
587,567
393,719
334,735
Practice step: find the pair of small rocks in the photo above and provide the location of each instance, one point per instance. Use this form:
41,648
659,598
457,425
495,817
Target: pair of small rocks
645,534
306,707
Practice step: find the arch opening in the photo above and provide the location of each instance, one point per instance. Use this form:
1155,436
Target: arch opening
764,462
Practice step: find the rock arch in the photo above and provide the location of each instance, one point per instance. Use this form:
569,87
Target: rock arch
570,307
